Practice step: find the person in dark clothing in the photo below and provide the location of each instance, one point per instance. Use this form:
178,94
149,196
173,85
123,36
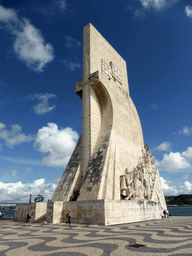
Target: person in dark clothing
28,219
69,217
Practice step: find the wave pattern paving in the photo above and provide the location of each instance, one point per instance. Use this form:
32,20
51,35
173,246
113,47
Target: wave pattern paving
172,236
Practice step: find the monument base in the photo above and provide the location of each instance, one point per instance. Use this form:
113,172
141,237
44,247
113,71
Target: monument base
103,212
100,212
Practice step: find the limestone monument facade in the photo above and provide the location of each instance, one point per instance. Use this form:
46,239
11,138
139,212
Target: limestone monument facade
111,177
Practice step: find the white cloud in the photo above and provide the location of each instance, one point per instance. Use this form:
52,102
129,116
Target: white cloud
61,4
185,177
173,162
157,4
139,13
58,143
43,106
188,10
188,186
72,64
165,146
172,189
29,44
186,130
52,7
7,15
57,180
2,126
14,174
188,154
18,192
168,189
27,170
14,136
71,42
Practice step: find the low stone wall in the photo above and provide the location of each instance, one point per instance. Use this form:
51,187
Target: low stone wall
89,212
7,218
38,210
123,211
22,210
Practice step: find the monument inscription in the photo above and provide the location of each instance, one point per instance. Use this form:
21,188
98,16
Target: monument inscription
111,71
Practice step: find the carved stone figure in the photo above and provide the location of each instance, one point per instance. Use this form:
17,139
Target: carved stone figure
126,185
138,187
146,184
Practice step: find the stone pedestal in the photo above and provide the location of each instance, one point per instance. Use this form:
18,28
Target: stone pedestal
104,212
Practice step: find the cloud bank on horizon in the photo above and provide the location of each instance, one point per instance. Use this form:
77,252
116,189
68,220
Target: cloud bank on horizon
19,192
170,189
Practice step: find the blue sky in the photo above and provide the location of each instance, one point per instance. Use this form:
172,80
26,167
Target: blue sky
41,50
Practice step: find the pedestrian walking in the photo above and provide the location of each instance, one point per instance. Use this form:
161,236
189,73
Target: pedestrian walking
28,219
68,217
167,214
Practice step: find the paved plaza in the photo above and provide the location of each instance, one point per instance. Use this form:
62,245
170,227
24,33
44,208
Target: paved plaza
172,236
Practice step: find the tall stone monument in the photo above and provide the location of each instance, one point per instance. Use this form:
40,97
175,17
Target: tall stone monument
110,166
111,177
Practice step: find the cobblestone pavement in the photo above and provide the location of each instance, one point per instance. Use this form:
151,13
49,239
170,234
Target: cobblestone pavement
172,236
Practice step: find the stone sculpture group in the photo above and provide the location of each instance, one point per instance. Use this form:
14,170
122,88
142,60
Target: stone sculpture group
138,184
